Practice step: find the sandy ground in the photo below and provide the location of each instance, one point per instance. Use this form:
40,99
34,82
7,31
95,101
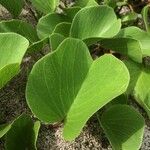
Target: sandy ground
13,103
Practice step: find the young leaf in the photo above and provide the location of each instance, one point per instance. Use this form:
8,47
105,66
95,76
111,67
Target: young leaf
20,27
47,24
23,134
69,78
12,49
94,23
45,6
13,6
124,127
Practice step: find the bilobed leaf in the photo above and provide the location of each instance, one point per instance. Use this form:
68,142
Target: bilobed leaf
45,6
54,40
47,24
84,3
23,134
4,128
130,41
145,14
137,34
126,46
12,50
94,23
20,27
124,127
13,6
68,78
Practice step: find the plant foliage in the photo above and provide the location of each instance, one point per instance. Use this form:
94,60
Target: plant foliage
97,58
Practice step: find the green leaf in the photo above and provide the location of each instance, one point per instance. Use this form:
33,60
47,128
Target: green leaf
23,134
71,11
106,79
36,129
126,46
84,3
11,55
63,28
63,85
145,14
47,24
4,128
45,6
54,40
139,84
26,30
135,71
36,46
99,18
121,99
115,3
137,34
124,127
20,27
142,90
59,77
13,6
129,18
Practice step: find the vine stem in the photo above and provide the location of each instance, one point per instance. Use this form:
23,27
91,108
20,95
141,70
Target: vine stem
97,115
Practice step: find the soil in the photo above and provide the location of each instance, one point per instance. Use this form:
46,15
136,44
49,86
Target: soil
13,103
